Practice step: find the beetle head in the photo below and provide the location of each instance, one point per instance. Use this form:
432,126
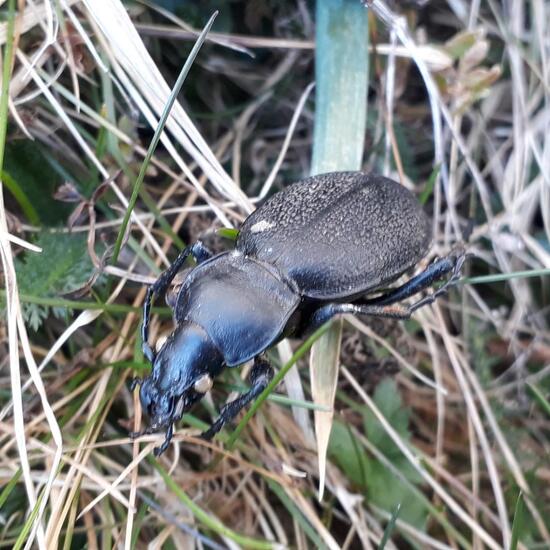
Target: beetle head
182,374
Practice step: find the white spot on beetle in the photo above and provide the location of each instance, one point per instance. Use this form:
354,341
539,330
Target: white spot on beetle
203,384
160,342
260,226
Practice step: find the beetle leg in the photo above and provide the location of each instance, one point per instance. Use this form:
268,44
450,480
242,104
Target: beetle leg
157,451
436,270
145,347
385,306
327,312
160,286
260,376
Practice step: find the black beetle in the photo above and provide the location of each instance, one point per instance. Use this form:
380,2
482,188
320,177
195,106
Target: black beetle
311,252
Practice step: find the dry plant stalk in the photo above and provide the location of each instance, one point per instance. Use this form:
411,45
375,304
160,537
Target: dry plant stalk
471,76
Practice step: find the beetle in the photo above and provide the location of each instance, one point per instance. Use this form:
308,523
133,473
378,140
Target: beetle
313,251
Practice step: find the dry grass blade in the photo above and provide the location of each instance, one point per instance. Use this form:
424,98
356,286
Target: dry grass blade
129,53
444,415
449,501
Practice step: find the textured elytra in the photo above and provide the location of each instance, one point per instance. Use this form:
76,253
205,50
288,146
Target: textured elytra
340,234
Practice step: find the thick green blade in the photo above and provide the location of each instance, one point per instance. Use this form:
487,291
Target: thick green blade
341,73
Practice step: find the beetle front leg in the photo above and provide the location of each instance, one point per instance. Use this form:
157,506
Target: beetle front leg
260,376
160,286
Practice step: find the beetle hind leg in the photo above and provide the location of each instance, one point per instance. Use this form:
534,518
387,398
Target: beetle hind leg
436,270
386,305
260,377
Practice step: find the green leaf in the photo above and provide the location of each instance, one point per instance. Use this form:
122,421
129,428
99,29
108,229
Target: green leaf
351,457
384,488
33,181
63,266
388,400
519,522
389,528
461,42
19,195
228,233
387,491
428,190
341,89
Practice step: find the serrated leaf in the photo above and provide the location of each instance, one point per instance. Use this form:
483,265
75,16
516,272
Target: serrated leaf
63,266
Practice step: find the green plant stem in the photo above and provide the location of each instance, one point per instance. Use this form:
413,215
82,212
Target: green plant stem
74,304
158,132
205,518
6,73
499,277
539,397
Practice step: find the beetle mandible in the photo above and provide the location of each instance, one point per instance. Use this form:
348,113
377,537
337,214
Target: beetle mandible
313,251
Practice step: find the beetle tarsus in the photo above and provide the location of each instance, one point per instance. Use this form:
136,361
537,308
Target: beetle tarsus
134,383
157,451
260,377
432,297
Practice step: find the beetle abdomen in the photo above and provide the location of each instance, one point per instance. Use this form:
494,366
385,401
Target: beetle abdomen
338,234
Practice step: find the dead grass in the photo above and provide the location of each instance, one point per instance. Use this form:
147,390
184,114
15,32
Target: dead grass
476,105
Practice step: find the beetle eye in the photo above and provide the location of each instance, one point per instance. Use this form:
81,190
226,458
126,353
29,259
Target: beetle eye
203,384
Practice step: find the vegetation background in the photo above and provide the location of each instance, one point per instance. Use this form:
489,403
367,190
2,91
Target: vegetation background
441,427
